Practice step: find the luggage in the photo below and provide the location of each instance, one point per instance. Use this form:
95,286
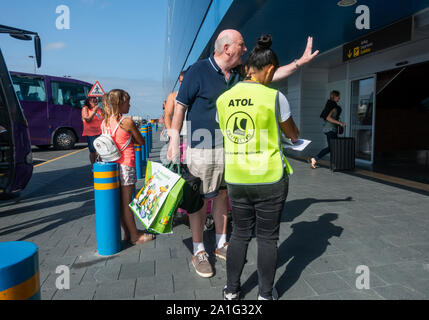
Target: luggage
342,154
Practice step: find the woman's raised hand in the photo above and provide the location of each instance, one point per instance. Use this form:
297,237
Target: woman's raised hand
307,56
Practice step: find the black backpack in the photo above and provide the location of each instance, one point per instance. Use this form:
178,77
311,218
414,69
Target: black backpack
328,108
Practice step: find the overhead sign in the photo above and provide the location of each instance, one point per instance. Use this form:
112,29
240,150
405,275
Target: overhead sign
96,90
389,36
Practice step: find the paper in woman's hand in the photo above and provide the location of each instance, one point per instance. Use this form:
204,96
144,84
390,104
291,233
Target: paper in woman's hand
298,145
287,141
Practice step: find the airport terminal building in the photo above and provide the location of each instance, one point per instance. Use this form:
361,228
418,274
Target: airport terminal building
375,52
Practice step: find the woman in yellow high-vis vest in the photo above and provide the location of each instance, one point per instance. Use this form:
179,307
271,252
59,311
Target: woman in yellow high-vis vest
252,117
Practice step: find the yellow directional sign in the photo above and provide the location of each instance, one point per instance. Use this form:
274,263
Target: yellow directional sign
356,52
386,37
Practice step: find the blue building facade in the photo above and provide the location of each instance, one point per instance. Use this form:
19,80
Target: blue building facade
363,44
190,24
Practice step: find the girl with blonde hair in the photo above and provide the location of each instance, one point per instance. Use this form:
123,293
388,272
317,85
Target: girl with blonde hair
116,103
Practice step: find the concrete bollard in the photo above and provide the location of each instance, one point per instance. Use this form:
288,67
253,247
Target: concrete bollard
107,208
137,152
19,271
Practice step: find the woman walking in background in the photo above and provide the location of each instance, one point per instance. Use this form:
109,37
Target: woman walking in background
331,115
92,116
125,134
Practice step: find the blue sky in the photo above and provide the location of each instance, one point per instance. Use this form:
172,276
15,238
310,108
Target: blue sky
119,43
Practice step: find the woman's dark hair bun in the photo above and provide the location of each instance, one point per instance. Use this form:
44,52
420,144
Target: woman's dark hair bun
265,41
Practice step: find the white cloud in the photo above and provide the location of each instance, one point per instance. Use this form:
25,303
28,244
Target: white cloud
55,46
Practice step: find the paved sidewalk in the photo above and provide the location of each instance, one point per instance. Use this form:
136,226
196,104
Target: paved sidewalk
332,223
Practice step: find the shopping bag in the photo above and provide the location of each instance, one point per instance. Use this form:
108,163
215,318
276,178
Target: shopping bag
157,202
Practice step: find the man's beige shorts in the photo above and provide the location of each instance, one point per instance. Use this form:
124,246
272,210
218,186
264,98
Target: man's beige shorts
209,166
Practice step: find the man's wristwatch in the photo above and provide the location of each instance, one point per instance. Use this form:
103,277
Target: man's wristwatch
296,64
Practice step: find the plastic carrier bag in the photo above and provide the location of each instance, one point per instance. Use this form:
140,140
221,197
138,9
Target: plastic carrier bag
157,202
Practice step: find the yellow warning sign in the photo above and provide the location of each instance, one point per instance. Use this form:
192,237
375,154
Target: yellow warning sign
356,52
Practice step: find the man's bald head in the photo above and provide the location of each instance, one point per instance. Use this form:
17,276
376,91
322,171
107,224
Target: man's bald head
228,37
229,48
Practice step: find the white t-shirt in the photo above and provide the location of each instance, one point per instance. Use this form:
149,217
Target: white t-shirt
282,107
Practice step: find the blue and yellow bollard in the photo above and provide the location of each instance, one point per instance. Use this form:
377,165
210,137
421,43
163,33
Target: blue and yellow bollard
19,271
144,158
138,151
143,147
146,140
149,135
107,208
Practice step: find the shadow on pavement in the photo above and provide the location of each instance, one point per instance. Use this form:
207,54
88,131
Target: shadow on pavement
58,182
295,208
308,241
73,185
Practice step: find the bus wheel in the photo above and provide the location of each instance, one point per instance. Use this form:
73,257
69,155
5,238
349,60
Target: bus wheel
64,139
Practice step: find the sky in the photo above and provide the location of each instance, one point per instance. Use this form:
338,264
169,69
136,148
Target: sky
119,43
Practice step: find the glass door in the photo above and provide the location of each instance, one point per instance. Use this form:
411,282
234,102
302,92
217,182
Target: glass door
362,118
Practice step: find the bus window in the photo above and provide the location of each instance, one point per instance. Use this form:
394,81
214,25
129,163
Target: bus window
66,93
29,88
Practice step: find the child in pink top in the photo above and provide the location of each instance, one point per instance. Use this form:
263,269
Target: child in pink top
116,103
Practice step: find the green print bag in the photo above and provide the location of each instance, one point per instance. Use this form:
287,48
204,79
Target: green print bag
157,202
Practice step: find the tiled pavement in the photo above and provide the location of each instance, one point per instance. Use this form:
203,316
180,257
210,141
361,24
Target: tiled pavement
332,223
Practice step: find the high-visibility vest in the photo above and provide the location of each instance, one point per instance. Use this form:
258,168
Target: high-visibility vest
253,150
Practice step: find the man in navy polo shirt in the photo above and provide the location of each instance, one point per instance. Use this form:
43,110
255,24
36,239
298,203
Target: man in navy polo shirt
203,83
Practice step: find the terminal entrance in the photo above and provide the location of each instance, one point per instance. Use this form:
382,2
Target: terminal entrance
362,118
401,137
